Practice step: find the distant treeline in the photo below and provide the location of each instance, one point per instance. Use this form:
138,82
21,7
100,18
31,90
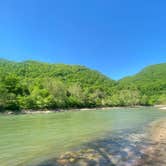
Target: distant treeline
37,85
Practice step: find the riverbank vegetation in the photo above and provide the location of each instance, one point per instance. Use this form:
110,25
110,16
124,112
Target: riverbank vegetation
36,85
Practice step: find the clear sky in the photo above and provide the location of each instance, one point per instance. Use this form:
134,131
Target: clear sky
116,37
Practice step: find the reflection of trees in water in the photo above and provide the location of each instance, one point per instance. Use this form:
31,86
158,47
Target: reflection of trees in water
127,148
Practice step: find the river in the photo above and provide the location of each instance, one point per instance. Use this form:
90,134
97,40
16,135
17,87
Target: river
30,139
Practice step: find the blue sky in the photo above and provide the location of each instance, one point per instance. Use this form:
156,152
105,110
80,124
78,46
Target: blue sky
116,37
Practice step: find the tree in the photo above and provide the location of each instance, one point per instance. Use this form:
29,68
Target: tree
58,92
126,98
76,96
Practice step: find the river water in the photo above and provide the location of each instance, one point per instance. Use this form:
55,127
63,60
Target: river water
31,139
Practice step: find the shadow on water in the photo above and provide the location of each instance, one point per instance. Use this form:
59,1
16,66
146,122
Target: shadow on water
124,148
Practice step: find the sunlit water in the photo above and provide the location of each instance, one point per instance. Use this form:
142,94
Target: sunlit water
26,139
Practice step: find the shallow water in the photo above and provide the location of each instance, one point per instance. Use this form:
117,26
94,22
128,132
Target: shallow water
27,139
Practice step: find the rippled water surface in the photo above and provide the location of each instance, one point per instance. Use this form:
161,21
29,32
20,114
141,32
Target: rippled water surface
26,139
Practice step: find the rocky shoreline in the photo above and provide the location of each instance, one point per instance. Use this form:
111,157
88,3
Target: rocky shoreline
156,153
161,107
67,110
158,131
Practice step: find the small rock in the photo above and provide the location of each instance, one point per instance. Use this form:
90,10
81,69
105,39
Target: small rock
72,160
62,162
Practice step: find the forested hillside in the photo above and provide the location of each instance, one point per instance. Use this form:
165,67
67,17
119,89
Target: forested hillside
38,85
151,83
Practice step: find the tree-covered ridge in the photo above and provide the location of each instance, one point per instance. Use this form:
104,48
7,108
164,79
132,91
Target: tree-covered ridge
151,73
66,73
151,82
38,85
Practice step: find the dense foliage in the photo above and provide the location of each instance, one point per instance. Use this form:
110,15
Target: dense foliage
37,85
150,82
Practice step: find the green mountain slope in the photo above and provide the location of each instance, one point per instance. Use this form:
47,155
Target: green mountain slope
150,81
44,85
66,73
150,73
38,85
